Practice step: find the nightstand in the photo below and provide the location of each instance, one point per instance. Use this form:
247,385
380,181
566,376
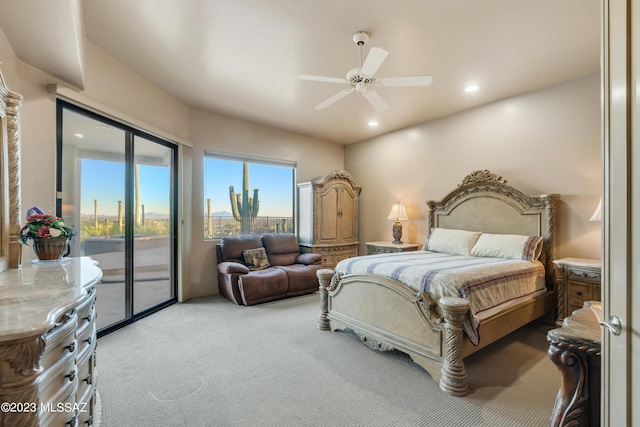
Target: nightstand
388,247
580,280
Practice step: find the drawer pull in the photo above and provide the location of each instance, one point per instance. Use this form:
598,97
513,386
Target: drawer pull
88,317
88,379
71,375
579,293
89,421
88,340
72,421
71,347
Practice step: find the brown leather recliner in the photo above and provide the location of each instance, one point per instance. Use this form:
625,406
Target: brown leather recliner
244,281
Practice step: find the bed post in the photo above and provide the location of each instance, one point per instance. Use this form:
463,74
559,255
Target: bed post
454,375
324,280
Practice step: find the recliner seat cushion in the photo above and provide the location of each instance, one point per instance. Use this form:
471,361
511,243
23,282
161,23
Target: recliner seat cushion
263,285
302,278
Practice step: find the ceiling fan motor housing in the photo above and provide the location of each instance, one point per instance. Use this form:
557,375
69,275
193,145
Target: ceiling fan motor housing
360,38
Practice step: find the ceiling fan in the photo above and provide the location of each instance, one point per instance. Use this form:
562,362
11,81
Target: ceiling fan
362,79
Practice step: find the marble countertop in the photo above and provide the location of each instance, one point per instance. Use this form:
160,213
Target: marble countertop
33,296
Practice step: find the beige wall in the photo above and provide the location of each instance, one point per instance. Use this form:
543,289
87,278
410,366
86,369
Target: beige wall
211,132
117,91
547,141
552,133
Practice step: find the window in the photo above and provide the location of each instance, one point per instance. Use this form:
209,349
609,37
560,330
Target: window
247,196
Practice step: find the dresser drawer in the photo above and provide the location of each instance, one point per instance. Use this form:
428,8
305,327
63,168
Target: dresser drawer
59,381
85,376
60,341
86,339
87,310
59,413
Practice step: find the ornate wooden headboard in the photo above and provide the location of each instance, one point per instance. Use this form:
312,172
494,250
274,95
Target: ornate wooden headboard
485,202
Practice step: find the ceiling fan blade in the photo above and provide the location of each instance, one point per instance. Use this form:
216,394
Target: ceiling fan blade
375,100
334,98
322,79
405,81
374,60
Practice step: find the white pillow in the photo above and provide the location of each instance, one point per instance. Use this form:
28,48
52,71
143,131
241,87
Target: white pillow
457,242
511,246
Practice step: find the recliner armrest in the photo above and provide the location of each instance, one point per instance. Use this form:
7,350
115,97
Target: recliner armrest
309,259
230,267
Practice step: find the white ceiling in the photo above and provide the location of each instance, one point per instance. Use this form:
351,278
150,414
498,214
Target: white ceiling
240,58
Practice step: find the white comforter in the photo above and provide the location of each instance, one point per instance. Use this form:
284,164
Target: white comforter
484,282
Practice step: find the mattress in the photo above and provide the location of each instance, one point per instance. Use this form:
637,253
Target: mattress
486,283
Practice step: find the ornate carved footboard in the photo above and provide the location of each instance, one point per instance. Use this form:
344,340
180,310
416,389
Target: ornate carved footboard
386,314
431,334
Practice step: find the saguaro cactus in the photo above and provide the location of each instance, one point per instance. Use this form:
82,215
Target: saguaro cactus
243,207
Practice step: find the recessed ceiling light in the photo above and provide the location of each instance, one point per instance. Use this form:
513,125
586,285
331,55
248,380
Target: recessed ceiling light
373,123
78,135
471,88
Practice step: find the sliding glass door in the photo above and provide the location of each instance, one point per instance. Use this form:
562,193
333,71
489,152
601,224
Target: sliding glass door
116,185
153,230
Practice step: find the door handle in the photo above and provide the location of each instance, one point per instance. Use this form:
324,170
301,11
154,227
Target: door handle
614,324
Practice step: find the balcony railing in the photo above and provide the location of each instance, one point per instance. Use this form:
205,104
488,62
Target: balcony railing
217,227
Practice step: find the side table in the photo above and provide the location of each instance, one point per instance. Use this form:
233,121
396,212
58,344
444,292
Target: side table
579,282
389,247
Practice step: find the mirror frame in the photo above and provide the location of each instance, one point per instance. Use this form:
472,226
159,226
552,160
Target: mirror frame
10,246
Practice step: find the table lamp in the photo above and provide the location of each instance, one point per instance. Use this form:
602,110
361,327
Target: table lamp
397,214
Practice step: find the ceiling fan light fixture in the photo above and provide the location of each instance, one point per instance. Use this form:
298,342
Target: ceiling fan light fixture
471,88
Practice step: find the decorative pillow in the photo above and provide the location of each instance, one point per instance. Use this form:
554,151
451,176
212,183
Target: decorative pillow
512,246
457,242
255,259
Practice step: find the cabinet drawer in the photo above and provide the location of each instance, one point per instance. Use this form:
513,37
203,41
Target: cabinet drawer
579,292
328,261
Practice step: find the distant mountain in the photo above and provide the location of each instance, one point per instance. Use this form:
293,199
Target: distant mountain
155,215
221,213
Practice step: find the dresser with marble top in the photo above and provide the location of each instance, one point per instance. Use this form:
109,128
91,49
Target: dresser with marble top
47,343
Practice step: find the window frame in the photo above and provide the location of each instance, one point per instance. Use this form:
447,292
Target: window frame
240,158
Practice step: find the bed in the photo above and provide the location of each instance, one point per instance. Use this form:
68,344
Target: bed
435,328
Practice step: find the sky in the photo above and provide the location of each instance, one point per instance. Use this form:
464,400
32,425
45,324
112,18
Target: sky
275,185
104,181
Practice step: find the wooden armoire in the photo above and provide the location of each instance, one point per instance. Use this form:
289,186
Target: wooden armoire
328,217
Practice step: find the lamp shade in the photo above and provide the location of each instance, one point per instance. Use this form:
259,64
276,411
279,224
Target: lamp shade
398,213
597,214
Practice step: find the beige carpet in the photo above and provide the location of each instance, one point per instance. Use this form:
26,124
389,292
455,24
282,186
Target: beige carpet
209,362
